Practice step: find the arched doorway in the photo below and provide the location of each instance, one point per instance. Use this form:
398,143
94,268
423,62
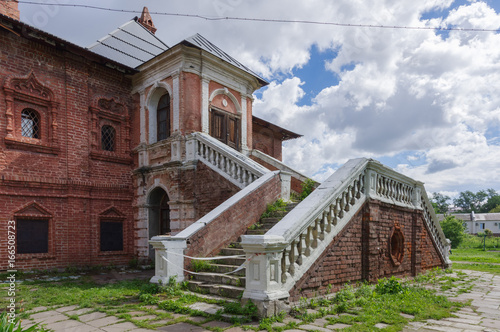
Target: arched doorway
159,216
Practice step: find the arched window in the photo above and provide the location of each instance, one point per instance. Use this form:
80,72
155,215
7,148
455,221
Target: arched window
108,138
30,123
163,117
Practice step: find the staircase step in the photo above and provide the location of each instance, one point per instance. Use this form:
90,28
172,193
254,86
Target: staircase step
233,292
258,231
232,251
219,278
229,261
219,268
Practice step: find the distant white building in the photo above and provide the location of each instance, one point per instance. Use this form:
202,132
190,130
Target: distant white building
478,222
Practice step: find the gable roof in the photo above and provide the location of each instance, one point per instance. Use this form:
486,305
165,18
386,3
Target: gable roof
285,133
201,42
131,44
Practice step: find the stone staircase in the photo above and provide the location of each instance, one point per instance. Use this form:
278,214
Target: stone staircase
214,280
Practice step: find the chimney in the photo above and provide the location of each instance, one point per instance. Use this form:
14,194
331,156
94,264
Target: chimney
146,21
9,8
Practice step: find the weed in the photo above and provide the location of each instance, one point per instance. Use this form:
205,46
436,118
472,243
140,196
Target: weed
389,286
272,209
202,266
307,188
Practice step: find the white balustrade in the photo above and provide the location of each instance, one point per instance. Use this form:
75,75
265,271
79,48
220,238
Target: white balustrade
308,229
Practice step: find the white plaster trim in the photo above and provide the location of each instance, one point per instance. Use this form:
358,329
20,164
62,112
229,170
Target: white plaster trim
176,110
205,104
227,93
142,116
244,124
157,90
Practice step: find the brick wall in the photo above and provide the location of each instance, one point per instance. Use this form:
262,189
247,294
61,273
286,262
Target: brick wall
233,222
9,8
362,250
57,172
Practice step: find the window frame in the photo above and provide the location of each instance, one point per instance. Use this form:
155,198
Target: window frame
167,110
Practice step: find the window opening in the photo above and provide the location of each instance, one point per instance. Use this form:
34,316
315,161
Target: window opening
163,118
111,235
30,123
32,236
108,137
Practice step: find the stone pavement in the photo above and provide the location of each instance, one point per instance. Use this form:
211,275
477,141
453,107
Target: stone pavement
484,315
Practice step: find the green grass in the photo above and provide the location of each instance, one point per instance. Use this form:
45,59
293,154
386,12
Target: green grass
481,267
475,255
476,242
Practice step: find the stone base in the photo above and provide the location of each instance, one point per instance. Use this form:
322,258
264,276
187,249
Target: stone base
269,308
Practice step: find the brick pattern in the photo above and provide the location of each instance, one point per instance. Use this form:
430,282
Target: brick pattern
233,222
361,251
65,181
9,8
296,184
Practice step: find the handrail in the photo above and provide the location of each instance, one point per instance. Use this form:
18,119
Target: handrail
298,240
231,164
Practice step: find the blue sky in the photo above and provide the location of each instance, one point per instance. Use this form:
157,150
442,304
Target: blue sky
424,102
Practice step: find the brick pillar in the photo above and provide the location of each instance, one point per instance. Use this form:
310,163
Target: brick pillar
372,249
416,249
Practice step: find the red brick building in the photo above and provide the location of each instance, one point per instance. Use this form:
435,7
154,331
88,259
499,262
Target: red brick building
92,141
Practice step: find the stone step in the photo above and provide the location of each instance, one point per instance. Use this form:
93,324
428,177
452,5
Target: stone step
232,251
257,231
229,261
219,278
219,268
233,292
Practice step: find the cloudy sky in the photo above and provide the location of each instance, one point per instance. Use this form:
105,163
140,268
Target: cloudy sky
425,102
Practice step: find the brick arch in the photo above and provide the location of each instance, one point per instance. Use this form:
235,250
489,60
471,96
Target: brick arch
227,93
157,90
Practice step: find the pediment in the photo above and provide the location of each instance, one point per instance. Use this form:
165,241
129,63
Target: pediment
33,209
29,85
111,212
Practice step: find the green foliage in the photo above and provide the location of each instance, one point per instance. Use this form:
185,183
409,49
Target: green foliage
14,325
389,286
482,201
278,206
249,310
202,266
440,202
307,188
496,209
453,229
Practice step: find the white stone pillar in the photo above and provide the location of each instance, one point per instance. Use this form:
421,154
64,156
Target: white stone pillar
142,120
205,127
176,102
169,260
286,182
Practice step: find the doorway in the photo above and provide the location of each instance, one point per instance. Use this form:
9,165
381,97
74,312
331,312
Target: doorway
225,127
158,216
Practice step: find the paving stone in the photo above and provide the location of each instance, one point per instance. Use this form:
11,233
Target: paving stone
64,325
136,313
381,325
51,317
79,311
205,307
45,314
37,309
120,327
320,322
69,308
309,327
407,316
196,319
150,317
279,324
337,326
491,323
104,321
182,327
216,323
161,322
91,316
239,329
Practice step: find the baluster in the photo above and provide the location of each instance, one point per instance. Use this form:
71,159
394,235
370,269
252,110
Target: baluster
216,159
358,188
315,234
237,171
329,218
340,209
308,242
291,258
345,198
283,267
322,223
353,194
299,250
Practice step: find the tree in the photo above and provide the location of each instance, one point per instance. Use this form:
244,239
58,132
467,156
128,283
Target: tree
467,201
492,202
496,209
439,202
453,229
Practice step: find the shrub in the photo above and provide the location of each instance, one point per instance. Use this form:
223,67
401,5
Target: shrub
307,188
7,325
389,286
454,230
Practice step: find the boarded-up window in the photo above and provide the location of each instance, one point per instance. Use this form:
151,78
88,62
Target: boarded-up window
111,235
163,118
32,236
225,127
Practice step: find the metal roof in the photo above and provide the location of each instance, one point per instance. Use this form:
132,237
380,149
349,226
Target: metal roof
201,42
131,44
